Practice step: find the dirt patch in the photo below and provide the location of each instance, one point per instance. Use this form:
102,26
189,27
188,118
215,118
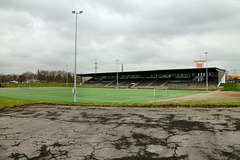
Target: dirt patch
226,95
211,96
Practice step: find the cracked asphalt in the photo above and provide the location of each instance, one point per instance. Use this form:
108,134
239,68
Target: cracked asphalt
70,132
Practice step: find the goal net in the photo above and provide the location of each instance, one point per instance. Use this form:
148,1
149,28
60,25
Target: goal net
160,92
24,86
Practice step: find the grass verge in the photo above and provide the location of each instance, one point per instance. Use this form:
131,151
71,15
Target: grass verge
231,86
16,104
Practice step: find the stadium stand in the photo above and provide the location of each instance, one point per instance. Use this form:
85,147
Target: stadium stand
178,78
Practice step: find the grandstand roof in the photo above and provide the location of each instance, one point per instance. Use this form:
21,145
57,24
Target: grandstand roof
165,71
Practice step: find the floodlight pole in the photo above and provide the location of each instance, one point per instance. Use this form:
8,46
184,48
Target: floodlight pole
206,72
117,73
75,61
66,75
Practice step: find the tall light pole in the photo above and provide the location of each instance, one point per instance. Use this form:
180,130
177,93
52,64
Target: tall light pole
206,72
117,73
75,61
66,75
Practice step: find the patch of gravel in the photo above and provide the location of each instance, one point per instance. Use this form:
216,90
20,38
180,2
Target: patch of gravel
211,96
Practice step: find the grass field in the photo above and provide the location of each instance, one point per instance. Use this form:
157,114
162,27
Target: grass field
92,94
15,85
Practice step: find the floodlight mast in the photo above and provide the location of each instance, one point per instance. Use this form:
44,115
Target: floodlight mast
117,73
75,61
66,75
206,72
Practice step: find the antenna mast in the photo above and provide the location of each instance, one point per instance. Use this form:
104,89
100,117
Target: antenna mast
96,66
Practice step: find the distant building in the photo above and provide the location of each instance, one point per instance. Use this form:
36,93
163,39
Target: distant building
232,79
33,81
13,82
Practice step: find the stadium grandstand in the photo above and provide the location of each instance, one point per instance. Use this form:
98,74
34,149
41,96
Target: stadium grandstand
193,78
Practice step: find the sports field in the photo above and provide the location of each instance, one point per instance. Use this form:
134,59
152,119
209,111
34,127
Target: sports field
93,94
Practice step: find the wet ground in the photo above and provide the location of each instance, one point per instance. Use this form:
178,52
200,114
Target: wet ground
68,132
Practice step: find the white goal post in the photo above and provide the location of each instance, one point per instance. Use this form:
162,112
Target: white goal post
159,92
26,85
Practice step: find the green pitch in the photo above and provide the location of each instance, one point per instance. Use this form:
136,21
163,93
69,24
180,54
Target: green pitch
92,94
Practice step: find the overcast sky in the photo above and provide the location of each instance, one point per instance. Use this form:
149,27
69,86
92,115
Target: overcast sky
142,34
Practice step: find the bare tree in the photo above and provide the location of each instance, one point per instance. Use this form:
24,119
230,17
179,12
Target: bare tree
41,75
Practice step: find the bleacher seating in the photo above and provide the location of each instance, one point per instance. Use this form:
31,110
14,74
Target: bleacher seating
165,82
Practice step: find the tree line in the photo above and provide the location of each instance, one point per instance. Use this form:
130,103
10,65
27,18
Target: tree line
41,76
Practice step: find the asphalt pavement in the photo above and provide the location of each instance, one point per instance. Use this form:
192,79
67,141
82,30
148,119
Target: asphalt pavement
79,133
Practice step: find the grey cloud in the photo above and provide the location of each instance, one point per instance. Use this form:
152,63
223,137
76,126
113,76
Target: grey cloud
141,34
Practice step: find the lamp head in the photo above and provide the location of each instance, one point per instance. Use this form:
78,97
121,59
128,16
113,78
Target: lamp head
74,12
